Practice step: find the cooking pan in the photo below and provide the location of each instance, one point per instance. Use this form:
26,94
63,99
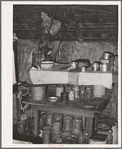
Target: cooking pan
82,62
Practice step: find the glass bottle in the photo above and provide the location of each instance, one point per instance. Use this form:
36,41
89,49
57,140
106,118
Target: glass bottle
88,93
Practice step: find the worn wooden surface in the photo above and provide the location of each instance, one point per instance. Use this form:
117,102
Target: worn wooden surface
72,108
87,107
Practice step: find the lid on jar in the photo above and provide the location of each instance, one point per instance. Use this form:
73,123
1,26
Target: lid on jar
103,125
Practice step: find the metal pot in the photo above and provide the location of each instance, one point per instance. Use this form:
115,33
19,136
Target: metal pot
104,67
47,64
83,62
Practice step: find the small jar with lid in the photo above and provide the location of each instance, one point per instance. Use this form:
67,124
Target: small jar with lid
105,128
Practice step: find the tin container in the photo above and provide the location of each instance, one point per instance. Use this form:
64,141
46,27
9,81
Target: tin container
67,123
96,66
59,90
64,97
104,67
77,126
105,128
46,136
57,127
71,95
83,69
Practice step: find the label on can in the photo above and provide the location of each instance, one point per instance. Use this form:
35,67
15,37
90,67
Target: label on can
71,95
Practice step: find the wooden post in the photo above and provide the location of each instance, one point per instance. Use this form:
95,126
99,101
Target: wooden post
90,126
36,122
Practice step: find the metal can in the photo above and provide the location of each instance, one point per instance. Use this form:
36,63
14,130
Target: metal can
59,90
77,126
83,69
71,95
67,123
104,67
46,136
57,127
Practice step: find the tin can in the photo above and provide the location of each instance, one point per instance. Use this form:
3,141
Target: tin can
83,69
71,95
104,67
77,126
67,123
57,127
46,136
59,90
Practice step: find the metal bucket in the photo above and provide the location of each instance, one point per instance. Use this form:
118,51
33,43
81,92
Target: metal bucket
38,92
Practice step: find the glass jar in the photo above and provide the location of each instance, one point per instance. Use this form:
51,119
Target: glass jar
67,123
88,93
86,137
82,94
105,128
77,126
41,123
81,138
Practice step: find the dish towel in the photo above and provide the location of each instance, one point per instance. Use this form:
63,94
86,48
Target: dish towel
48,77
